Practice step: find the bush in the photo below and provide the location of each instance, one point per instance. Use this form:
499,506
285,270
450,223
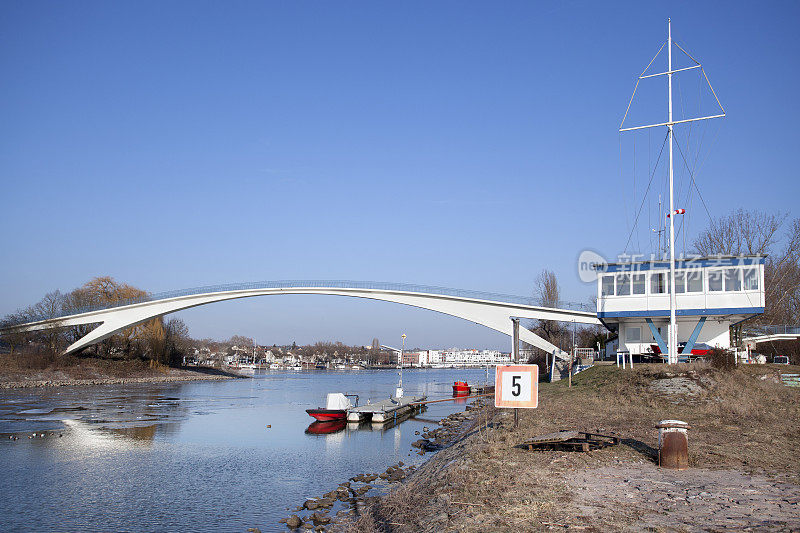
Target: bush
722,359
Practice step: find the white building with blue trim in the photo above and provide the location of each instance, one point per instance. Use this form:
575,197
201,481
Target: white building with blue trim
712,294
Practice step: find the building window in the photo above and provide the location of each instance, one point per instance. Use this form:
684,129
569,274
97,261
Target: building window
680,282
694,280
715,280
751,279
639,283
658,283
633,334
607,286
623,284
733,279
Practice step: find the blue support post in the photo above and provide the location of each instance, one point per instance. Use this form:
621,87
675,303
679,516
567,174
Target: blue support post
693,338
657,336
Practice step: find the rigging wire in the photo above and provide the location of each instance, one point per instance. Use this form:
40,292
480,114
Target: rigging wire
693,182
638,243
649,218
664,143
637,83
621,180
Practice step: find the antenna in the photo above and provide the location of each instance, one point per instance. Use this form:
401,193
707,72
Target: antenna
660,230
672,356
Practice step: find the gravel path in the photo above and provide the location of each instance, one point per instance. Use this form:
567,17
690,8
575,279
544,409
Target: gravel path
690,500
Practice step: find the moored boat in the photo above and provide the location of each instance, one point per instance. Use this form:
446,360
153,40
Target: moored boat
460,387
336,407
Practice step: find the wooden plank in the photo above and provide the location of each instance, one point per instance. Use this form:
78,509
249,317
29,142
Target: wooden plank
558,436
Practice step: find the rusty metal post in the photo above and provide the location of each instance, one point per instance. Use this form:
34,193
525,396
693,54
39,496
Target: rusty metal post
673,444
515,357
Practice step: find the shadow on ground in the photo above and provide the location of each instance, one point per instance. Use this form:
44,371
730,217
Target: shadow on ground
645,449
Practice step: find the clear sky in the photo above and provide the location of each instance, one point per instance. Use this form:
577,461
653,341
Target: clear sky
461,144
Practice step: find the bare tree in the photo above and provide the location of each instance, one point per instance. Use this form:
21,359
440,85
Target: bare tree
51,306
546,293
240,341
744,232
14,337
177,340
741,232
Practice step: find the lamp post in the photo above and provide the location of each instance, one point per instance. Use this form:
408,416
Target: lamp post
399,392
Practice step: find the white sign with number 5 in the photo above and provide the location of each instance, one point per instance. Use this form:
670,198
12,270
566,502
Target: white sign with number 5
517,386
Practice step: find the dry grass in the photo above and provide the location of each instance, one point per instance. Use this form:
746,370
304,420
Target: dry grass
487,482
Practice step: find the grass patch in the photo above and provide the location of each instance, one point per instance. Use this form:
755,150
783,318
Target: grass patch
742,419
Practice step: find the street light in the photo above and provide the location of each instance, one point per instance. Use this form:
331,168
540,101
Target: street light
399,392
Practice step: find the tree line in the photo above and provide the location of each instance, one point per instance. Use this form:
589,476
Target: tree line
164,341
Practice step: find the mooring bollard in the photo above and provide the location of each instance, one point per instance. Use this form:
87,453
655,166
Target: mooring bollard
673,444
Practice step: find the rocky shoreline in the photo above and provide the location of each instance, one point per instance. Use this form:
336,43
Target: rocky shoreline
112,381
352,496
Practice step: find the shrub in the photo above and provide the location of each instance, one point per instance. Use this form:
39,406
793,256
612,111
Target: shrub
722,359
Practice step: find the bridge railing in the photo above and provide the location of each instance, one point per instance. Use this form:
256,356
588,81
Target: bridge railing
754,331
313,284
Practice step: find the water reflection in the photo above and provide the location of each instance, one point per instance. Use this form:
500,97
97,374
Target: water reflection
326,427
208,456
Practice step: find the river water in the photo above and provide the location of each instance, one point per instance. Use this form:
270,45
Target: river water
196,456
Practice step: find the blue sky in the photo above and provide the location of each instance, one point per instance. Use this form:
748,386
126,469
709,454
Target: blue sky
461,144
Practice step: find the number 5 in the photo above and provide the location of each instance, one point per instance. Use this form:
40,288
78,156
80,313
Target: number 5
516,388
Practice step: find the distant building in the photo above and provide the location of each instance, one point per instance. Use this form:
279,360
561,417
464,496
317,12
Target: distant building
456,357
411,359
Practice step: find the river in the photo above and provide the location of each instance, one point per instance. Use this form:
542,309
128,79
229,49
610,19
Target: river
195,456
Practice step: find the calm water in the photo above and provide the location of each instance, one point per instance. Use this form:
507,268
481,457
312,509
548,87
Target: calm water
195,456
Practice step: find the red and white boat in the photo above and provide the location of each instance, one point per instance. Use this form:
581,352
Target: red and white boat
460,388
336,407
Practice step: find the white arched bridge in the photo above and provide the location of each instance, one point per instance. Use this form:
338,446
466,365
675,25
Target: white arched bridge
494,311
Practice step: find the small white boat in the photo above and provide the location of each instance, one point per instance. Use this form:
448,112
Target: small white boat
340,367
275,366
357,367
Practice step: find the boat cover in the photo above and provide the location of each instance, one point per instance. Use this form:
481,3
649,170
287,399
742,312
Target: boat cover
337,400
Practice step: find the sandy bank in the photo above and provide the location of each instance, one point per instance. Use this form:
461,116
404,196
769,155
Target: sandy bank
62,378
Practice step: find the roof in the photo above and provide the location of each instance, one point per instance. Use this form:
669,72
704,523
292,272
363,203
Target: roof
682,263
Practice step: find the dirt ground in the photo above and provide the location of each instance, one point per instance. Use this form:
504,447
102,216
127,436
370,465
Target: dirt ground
744,458
37,371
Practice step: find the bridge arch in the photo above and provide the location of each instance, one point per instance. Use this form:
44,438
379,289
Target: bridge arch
487,309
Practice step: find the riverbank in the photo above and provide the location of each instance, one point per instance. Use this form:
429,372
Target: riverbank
743,454
64,371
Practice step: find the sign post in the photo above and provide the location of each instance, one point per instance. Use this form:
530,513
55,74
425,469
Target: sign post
516,387
515,358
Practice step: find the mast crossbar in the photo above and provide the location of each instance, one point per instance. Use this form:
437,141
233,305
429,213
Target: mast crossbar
669,72
672,123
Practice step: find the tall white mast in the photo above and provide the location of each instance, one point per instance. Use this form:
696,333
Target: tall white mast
672,345
672,337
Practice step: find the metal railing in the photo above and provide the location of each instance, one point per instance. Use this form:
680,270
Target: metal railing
772,330
314,284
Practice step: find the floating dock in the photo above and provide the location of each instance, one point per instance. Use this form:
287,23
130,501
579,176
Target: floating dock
385,410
